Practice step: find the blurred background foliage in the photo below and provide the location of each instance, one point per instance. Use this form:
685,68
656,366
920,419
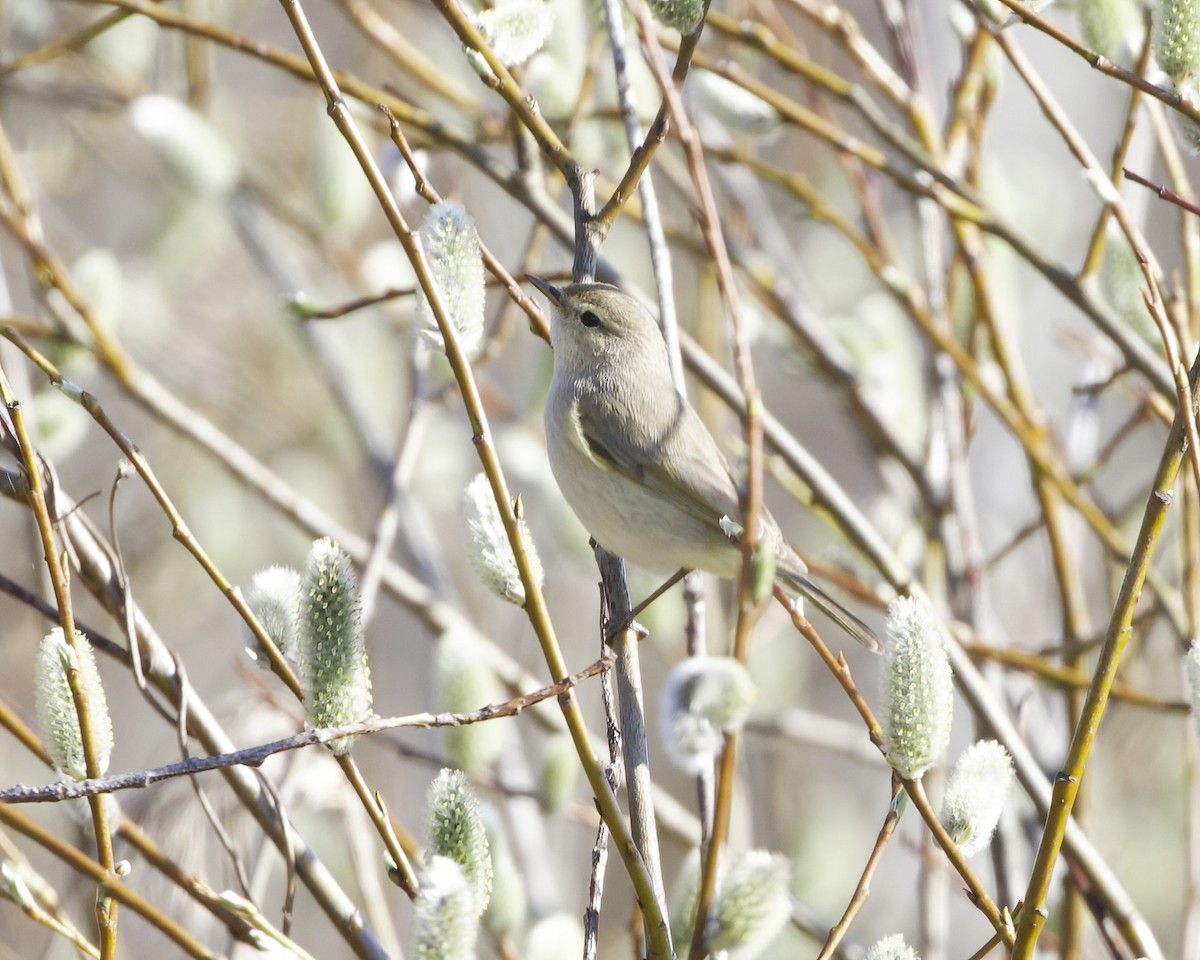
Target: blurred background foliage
191,187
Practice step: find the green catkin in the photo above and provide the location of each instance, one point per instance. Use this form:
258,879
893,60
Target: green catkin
683,15
455,829
337,680
752,905
918,689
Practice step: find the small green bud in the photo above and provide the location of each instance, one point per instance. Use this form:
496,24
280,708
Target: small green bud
12,875
455,830
337,680
445,915
703,698
55,707
752,905
274,597
463,681
918,688
452,252
975,795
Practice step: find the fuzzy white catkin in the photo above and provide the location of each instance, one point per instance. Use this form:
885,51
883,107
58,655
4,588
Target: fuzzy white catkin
274,597
55,706
515,29
455,829
342,196
735,107
452,251
891,948
1192,663
100,279
491,553
702,699
336,678
752,905
445,918
918,688
187,143
975,795
463,680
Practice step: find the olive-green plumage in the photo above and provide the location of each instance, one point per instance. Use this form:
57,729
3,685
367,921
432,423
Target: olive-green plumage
633,458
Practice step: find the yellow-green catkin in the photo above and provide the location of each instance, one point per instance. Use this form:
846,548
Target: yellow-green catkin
683,15
1113,28
463,681
752,905
557,772
337,680
1177,39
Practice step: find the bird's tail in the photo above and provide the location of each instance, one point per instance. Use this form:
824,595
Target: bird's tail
800,583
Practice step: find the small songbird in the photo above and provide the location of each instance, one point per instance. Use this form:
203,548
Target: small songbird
634,460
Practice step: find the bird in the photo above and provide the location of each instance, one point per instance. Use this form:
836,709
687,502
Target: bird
633,459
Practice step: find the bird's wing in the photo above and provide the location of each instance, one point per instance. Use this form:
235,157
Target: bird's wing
680,461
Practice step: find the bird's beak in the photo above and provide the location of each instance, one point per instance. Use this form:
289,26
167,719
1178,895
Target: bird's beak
549,290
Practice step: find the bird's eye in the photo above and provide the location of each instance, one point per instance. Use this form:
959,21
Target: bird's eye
589,319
